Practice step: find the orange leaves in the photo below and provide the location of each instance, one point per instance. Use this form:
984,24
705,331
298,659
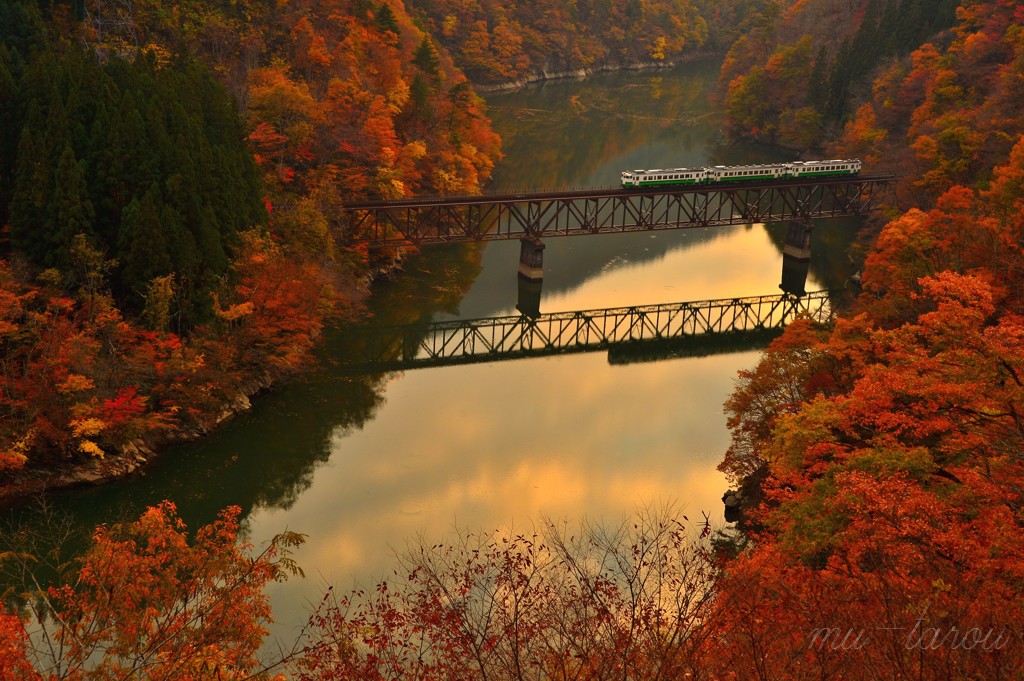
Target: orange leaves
778,385
14,664
147,602
277,309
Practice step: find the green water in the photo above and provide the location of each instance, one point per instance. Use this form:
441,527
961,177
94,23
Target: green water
365,465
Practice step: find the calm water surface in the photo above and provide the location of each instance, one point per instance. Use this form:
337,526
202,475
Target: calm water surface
364,466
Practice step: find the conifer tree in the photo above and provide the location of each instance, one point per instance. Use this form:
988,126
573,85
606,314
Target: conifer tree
384,19
70,211
426,57
142,245
9,127
29,196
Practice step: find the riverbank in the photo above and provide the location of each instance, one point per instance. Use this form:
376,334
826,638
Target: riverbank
134,457
544,75
137,454
577,74
130,458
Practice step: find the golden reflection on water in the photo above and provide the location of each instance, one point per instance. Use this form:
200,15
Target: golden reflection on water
741,261
492,446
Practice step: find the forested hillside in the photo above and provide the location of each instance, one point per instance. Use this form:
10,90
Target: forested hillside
880,457
792,80
888,448
168,181
501,42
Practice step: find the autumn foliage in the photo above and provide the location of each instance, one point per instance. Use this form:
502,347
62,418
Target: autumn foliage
888,452
589,602
146,601
792,79
947,115
501,42
156,269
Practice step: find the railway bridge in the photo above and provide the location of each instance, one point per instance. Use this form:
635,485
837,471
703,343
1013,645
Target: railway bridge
532,217
626,333
446,219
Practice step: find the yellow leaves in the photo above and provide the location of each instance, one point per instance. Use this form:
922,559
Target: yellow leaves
232,312
15,454
447,181
450,25
91,448
75,383
397,96
415,150
274,97
658,49
238,311
87,427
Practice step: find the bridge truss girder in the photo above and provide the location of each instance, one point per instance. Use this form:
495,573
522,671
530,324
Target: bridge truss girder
511,337
608,211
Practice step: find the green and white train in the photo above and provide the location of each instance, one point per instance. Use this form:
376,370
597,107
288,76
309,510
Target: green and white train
717,174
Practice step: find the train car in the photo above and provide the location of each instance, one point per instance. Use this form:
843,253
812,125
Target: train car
651,178
741,173
824,168
770,171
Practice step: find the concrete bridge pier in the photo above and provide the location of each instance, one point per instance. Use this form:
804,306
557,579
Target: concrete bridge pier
531,275
531,258
796,258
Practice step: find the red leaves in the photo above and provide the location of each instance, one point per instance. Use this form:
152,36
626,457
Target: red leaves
14,665
126,405
616,603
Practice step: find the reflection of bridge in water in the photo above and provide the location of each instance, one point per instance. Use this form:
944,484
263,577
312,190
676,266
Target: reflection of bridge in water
628,333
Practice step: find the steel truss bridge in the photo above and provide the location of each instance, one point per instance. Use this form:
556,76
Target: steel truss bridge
610,210
628,333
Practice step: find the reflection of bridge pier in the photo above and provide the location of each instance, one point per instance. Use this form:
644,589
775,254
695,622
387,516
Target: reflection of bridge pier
531,275
796,258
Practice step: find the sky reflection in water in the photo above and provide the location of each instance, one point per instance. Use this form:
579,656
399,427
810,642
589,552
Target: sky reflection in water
490,446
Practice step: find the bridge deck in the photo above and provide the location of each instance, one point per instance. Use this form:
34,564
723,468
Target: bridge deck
604,210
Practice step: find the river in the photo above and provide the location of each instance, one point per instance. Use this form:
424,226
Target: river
364,466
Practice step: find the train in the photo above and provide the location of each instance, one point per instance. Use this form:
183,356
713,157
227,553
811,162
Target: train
717,174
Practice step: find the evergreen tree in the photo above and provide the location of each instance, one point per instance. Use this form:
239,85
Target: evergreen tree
838,84
10,128
426,58
21,26
70,211
384,19
419,98
908,28
187,267
81,142
817,84
142,247
32,182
